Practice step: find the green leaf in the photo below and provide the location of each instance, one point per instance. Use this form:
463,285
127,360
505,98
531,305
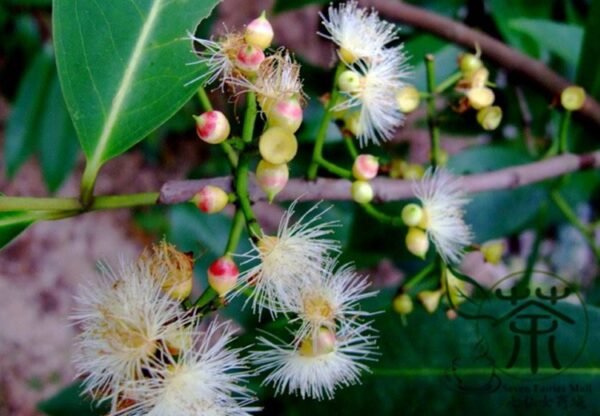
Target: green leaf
588,76
22,130
70,402
12,224
58,145
559,38
122,67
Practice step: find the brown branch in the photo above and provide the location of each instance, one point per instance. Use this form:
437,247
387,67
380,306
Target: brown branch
387,189
508,58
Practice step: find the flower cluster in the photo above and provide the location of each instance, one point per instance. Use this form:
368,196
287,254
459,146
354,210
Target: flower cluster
143,353
295,273
374,73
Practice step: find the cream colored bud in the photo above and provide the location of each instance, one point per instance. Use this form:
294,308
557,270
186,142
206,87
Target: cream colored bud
413,171
489,117
164,259
349,81
179,340
480,97
412,214
285,113
362,192
271,178
365,167
479,78
403,304
408,99
417,242
277,145
469,62
211,199
572,98
352,123
212,127
259,32
493,251
430,299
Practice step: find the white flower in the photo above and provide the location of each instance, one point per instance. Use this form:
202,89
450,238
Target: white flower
317,368
375,97
286,260
206,379
331,299
359,33
125,319
443,200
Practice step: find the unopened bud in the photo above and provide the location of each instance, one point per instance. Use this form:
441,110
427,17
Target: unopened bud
408,99
365,167
469,62
249,58
174,269
320,344
572,98
259,32
417,242
480,97
352,123
489,117
454,287
178,340
277,145
222,275
403,304
271,178
413,171
212,127
493,251
479,78
362,192
285,113
349,81
210,199
412,214
430,299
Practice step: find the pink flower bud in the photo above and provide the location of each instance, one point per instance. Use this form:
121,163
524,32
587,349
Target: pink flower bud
212,127
365,167
222,275
323,342
259,32
210,199
285,113
271,178
249,58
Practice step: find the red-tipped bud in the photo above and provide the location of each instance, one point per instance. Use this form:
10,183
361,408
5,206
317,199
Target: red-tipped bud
249,58
210,199
285,113
365,167
259,32
272,178
362,192
222,275
212,127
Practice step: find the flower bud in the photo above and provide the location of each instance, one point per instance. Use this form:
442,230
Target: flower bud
417,242
479,78
178,340
403,304
572,98
455,288
365,167
174,269
277,145
222,275
320,344
469,62
352,123
362,192
412,214
493,250
210,199
480,97
430,299
349,81
408,99
347,56
259,32
413,171
489,117
286,113
249,58
212,127
271,178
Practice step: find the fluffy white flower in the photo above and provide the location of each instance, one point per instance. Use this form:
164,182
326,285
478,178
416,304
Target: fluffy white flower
359,33
331,299
286,260
375,97
125,319
207,379
443,203
317,368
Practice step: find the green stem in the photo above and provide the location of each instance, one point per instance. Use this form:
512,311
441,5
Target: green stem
434,131
205,298
241,187
563,145
381,216
322,132
204,100
17,203
448,82
249,118
421,274
88,182
349,142
124,201
333,168
570,215
235,232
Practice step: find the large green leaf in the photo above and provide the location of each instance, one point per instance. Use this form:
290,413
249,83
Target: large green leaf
588,75
122,67
70,402
22,130
12,224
